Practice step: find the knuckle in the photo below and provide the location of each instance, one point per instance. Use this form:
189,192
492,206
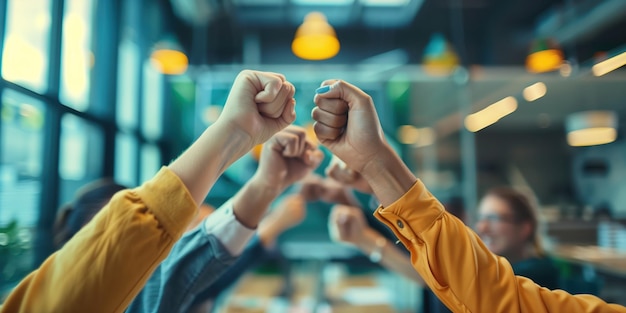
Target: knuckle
245,73
366,97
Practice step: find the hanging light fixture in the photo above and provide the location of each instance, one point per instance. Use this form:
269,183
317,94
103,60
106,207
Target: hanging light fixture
590,128
168,57
545,56
315,39
439,57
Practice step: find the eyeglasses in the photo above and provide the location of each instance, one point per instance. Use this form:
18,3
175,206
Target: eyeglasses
495,218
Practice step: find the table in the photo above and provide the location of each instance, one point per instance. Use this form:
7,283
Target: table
256,293
609,261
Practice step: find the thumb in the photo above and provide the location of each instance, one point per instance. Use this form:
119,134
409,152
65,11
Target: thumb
338,89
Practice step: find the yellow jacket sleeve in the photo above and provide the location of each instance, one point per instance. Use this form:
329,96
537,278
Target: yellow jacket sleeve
460,269
105,265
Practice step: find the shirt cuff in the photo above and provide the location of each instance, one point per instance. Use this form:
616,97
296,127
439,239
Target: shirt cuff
412,214
167,198
229,231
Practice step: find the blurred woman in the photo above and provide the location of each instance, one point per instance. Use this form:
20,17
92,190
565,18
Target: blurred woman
508,225
89,200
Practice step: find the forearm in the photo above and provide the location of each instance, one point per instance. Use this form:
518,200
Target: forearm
388,176
113,255
268,234
205,160
461,270
194,264
196,261
344,196
252,201
393,258
252,255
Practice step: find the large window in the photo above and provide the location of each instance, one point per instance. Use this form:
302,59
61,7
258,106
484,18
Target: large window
78,104
77,57
26,42
81,154
127,84
150,161
152,117
126,149
20,181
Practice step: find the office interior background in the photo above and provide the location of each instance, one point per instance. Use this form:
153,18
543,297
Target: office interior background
472,93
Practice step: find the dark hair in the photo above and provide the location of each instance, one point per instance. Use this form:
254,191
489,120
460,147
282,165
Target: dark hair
455,206
523,211
88,201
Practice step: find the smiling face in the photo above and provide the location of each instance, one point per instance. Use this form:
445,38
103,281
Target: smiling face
500,229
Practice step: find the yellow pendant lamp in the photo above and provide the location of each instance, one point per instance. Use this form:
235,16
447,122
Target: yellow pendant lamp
168,57
545,56
315,39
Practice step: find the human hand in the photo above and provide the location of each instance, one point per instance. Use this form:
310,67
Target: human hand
347,123
315,188
288,213
347,224
286,158
259,105
337,170
311,187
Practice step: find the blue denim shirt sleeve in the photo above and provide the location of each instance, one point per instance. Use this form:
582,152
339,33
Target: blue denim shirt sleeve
253,255
197,260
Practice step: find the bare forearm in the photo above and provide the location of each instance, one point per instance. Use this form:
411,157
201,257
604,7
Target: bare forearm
388,176
252,201
392,257
204,161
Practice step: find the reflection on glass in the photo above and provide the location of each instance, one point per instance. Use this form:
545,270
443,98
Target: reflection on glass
152,116
126,160
150,161
81,155
25,55
127,84
21,155
77,59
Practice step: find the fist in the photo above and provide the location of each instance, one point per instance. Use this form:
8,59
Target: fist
337,170
346,122
347,224
258,105
288,157
316,188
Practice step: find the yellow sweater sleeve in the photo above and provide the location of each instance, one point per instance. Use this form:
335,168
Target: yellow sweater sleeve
105,265
460,269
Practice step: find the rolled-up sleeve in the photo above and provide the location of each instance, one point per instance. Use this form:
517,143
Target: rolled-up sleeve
195,263
105,265
231,233
461,270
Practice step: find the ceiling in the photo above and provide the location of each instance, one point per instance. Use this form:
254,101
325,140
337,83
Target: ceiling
486,32
494,34
439,103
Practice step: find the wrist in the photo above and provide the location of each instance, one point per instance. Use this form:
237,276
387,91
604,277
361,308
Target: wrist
239,141
367,243
261,184
252,201
388,176
374,245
